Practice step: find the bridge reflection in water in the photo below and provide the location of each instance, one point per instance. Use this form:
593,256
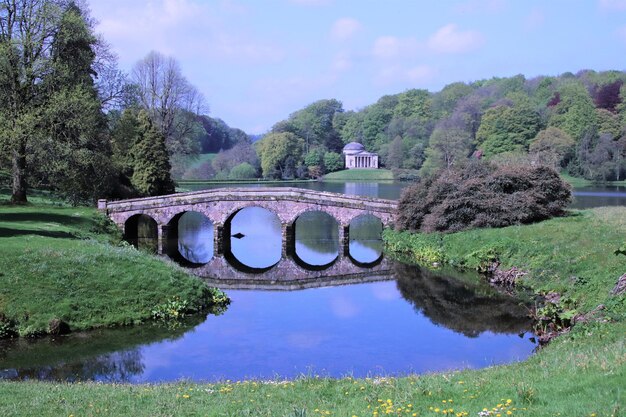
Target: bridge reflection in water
424,322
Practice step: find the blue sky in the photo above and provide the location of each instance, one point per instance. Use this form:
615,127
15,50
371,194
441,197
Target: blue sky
258,61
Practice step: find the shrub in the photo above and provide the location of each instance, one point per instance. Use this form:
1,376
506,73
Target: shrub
482,195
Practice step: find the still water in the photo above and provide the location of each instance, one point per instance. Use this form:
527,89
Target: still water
584,197
357,313
414,321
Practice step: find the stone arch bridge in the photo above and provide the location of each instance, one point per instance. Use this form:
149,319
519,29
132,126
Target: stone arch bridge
221,205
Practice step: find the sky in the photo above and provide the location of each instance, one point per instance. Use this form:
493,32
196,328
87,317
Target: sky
257,61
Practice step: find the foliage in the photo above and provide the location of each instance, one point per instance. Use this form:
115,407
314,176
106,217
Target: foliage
242,171
508,127
482,195
279,153
333,161
575,112
170,101
552,147
151,174
447,147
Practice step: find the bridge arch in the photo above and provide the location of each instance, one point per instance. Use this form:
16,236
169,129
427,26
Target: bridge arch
189,238
314,239
252,245
142,231
365,246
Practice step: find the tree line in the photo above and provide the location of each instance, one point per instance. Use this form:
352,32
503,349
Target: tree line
572,122
72,122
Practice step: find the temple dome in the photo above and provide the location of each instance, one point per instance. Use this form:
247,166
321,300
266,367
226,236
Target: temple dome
353,147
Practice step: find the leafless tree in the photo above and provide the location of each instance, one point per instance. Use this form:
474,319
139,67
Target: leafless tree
171,101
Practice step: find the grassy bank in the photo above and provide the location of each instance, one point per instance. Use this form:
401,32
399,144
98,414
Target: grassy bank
581,182
360,175
572,255
582,373
65,263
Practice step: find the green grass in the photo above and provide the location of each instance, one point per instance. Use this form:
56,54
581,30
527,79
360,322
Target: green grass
581,182
581,374
360,175
195,162
572,255
60,262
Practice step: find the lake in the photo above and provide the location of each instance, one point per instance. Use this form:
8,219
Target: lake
350,313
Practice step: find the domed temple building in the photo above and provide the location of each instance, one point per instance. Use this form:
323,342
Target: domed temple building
357,157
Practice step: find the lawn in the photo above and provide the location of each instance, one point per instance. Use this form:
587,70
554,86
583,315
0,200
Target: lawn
360,175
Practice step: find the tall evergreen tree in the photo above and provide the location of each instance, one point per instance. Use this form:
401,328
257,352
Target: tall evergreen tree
151,175
76,138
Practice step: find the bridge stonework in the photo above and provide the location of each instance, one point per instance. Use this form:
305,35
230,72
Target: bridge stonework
220,205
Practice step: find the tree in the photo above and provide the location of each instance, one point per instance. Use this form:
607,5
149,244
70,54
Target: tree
574,113
170,100
553,147
151,175
508,127
242,171
279,154
448,146
608,123
396,153
75,131
27,29
124,134
242,152
333,161
608,96
314,124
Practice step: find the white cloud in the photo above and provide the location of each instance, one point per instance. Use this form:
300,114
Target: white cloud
344,29
181,28
392,47
613,4
449,39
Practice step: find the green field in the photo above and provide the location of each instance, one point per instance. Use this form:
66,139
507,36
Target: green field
67,263
581,182
360,175
581,373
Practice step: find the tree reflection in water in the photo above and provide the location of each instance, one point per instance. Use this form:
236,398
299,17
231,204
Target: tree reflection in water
107,355
466,308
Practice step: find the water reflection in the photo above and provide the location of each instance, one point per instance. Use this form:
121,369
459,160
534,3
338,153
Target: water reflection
316,238
365,329
366,245
106,355
465,307
255,239
195,237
